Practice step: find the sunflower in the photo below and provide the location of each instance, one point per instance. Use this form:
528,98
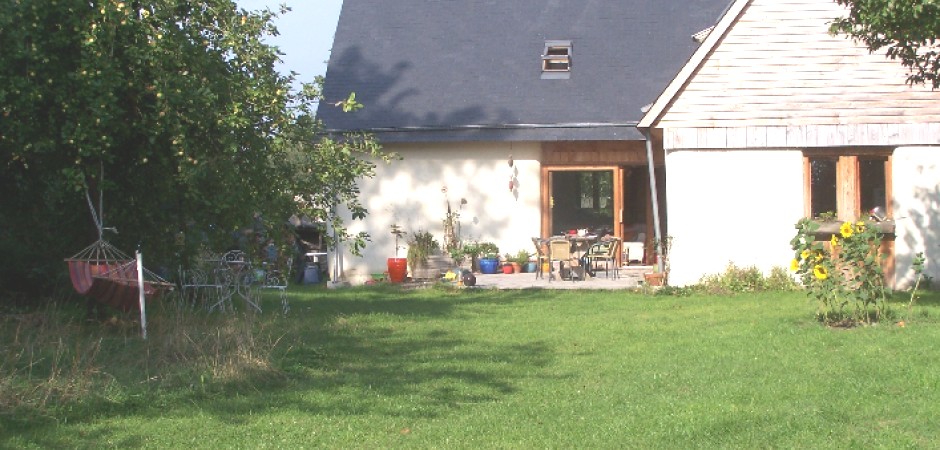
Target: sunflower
834,242
860,227
820,272
820,255
805,254
847,229
794,265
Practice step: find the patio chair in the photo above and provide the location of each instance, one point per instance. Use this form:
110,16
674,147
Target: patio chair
560,251
541,257
606,252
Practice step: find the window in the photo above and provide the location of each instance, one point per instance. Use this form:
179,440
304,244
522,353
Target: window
849,185
823,186
556,59
595,190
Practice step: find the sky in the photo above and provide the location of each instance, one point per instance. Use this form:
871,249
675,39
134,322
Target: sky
306,33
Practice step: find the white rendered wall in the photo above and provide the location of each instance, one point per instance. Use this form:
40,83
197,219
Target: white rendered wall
736,206
916,190
408,193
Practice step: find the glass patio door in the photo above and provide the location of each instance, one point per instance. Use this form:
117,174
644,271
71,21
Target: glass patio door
582,197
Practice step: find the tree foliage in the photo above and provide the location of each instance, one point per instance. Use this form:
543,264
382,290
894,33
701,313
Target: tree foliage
906,30
174,111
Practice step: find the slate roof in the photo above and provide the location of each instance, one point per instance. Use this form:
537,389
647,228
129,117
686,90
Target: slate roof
470,70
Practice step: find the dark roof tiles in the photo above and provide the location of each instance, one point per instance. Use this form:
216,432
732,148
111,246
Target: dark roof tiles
443,70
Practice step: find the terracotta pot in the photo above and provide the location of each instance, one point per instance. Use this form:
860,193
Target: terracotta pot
397,269
507,268
516,267
654,279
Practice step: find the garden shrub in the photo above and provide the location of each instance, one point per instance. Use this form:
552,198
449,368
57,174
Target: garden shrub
736,280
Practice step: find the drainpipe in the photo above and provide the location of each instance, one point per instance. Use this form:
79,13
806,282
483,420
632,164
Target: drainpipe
655,198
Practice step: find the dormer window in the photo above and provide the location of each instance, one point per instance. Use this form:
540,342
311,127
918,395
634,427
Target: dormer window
556,59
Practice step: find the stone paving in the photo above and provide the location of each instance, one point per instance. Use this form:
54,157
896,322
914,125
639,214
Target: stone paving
631,277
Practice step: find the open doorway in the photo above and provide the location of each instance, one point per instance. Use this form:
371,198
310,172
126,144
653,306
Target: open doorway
606,200
582,199
638,223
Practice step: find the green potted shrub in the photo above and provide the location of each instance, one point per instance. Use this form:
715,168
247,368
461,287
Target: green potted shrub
464,255
489,257
422,248
522,258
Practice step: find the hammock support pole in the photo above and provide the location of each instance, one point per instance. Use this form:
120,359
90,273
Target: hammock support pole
140,289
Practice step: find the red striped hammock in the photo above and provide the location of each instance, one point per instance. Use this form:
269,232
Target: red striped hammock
106,274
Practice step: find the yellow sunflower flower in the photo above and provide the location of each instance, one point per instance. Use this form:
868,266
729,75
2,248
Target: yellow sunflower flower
847,229
860,227
820,272
794,265
820,255
805,254
834,242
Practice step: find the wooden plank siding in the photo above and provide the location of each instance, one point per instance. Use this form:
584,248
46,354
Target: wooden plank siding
777,78
594,153
802,136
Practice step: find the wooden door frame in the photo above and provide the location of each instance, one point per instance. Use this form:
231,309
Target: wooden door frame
546,195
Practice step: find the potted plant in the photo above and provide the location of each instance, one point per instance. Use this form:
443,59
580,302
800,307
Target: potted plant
489,257
509,266
463,255
423,256
657,277
654,278
397,267
522,258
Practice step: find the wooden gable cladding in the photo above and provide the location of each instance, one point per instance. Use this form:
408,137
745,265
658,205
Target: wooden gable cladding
759,136
593,153
778,66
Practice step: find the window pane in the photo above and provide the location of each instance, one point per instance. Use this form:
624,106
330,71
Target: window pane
587,190
871,174
823,185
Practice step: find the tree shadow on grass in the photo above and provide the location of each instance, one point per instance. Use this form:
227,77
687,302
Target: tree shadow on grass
358,352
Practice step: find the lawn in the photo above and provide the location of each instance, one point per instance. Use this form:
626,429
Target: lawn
434,368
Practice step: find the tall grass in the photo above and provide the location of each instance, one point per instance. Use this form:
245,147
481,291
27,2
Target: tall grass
54,358
41,365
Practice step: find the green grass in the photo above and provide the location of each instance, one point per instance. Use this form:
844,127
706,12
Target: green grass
381,368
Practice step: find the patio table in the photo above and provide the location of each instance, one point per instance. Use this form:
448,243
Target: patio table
236,278
579,246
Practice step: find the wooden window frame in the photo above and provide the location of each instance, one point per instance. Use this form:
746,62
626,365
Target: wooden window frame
848,182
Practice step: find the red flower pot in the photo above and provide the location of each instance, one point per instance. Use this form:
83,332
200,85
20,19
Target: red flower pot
397,269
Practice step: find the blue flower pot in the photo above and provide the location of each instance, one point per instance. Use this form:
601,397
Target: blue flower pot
488,265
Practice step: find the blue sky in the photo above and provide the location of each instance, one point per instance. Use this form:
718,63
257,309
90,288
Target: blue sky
306,33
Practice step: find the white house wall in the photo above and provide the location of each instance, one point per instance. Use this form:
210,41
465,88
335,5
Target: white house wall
916,171
737,206
409,193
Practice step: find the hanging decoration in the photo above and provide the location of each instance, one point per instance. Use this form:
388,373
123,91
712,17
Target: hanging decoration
512,175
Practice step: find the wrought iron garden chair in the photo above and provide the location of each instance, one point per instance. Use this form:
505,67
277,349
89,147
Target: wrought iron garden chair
604,251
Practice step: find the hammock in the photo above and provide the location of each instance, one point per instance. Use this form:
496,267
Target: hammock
106,274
